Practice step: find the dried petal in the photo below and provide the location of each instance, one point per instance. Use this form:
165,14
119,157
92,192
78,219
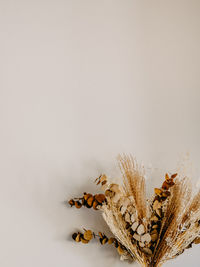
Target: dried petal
134,226
146,238
116,197
140,229
114,188
137,237
133,218
141,244
123,209
127,217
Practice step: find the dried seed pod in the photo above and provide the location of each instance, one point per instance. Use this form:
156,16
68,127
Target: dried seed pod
78,204
154,231
147,251
154,237
154,218
140,229
88,235
155,226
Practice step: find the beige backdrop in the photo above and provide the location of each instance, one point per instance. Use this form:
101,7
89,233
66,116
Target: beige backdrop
82,81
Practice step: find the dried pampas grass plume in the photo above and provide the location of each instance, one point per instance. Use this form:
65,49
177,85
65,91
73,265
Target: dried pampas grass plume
152,231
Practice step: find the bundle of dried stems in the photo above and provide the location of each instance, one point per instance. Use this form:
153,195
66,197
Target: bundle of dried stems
152,231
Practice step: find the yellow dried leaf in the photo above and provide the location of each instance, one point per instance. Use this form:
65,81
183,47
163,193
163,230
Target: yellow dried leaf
120,250
88,235
158,191
78,237
111,240
84,241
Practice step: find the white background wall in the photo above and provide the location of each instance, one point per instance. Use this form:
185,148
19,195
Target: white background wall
80,82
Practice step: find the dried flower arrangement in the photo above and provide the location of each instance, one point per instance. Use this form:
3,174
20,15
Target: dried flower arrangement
149,231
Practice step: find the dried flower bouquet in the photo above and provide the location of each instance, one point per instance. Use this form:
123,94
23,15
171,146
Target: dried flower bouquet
149,231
